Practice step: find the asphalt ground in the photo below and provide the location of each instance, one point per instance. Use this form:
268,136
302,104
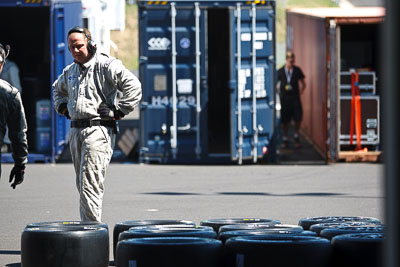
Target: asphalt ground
196,193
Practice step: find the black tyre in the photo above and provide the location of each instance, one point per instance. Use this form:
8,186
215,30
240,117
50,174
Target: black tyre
358,250
307,222
217,223
65,246
260,226
317,228
199,231
176,226
125,225
223,236
277,251
169,252
68,224
336,230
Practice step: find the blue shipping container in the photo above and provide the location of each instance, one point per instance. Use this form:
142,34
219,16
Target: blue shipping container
36,32
207,69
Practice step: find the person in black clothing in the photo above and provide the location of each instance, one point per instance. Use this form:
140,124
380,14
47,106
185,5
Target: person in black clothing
290,86
12,114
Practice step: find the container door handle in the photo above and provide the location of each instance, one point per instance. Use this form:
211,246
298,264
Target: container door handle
174,133
238,82
198,106
254,58
184,128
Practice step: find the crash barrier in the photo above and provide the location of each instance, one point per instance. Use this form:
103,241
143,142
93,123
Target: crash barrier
337,241
65,244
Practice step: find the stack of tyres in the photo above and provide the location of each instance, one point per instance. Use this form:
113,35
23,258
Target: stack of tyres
317,228
229,231
260,226
160,231
217,223
58,244
357,250
126,225
277,251
169,252
336,230
57,224
306,223
267,233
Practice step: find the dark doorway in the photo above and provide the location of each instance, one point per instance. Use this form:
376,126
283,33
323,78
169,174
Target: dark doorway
30,50
218,90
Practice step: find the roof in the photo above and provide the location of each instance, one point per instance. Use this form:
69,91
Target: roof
333,12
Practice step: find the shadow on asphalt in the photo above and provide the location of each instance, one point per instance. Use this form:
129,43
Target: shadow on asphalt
172,193
14,265
310,194
10,252
265,194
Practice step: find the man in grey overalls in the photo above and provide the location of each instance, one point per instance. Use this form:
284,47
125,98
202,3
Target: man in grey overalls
95,91
12,114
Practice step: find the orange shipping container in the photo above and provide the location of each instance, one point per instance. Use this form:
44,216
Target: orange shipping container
327,41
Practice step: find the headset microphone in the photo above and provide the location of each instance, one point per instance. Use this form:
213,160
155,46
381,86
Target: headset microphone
7,49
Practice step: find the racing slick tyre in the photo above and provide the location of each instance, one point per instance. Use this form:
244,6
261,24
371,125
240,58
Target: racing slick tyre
336,230
67,224
169,252
217,223
199,231
261,226
317,228
358,250
223,236
125,225
307,222
277,251
65,246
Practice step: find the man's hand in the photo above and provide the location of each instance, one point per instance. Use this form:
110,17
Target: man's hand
17,174
63,109
107,112
302,86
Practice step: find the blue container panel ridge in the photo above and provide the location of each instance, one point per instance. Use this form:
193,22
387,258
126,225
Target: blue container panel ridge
64,17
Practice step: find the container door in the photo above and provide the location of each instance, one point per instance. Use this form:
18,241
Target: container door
64,17
171,66
252,82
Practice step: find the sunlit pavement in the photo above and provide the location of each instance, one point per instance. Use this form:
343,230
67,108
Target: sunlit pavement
138,192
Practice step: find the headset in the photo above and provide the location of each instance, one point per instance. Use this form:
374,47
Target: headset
6,49
91,44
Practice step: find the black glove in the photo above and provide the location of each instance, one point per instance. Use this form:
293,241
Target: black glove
17,174
62,109
106,112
